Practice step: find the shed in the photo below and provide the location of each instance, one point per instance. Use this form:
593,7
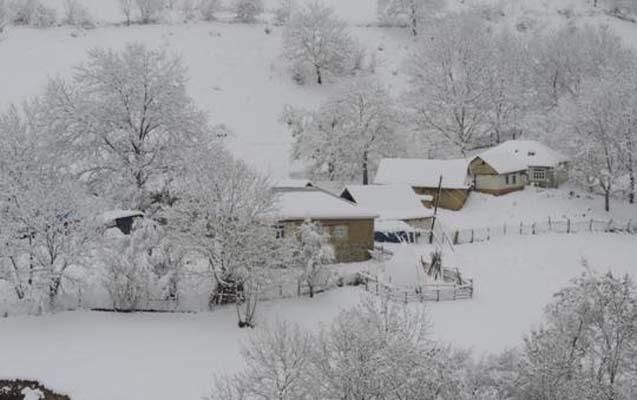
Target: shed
497,173
396,202
423,176
545,167
351,227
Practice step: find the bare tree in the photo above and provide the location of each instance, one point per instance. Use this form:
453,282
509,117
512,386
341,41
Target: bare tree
149,10
126,7
247,10
411,13
315,38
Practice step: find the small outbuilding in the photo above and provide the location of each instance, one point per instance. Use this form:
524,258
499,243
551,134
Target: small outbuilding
423,176
121,219
350,226
497,173
545,167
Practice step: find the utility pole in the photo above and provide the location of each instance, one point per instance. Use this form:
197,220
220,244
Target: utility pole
437,202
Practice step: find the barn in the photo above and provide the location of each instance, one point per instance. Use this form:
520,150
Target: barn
423,175
350,226
546,167
497,173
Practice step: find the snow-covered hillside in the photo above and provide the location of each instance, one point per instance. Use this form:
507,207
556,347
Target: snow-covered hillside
237,73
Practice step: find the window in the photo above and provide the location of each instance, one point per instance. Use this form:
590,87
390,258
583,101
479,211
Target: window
539,175
514,179
279,231
506,179
340,232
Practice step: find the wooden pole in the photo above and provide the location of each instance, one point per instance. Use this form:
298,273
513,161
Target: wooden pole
568,225
433,221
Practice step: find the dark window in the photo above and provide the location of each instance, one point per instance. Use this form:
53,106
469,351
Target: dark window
279,231
514,179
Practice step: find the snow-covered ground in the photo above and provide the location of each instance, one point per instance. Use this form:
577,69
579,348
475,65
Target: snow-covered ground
102,356
534,205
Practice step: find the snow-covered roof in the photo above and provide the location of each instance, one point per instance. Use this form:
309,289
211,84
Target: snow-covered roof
293,183
110,216
423,172
529,152
503,162
398,202
313,203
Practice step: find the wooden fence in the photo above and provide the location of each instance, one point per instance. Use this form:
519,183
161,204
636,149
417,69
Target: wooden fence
567,226
418,294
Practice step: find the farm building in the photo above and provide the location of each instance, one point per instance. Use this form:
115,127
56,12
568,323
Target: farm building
293,183
497,173
545,166
424,175
401,214
350,226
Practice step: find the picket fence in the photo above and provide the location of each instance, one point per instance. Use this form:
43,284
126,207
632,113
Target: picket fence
420,293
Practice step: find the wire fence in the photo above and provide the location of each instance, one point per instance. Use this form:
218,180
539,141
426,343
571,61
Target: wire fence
567,226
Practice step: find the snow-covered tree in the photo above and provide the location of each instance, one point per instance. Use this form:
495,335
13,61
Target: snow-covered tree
140,267
349,134
32,12
449,82
125,119
412,13
223,215
283,11
316,39
149,10
597,123
76,14
586,347
126,7
48,226
278,362
312,252
207,9
247,10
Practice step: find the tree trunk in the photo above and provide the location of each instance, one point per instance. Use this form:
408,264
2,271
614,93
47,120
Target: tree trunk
365,169
607,200
319,76
631,174
311,286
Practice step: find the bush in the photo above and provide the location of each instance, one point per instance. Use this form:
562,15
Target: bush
247,10
20,390
33,13
76,14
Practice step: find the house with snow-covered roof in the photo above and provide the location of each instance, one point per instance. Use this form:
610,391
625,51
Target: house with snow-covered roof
545,167
424,175
497,173
351,227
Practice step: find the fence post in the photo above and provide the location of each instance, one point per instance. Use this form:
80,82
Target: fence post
590,227
406,301
488,233
533,228
455,237
521,227
472,235
568,225
550,225
437,294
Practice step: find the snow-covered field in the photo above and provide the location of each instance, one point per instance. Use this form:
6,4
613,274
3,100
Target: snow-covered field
102,356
